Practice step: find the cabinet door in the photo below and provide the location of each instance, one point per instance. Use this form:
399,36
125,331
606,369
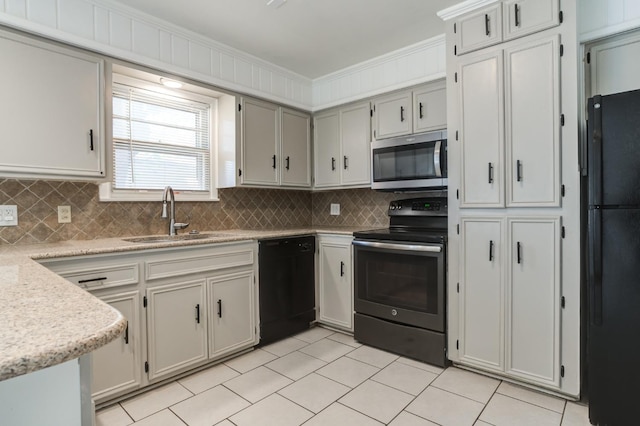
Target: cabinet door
393,115
429,109
481,300
177,327
260,141
522,17
326,143
51,114
295,164
355,137
117,366
533,300
336,288
532,112
482,131
231,313
479,29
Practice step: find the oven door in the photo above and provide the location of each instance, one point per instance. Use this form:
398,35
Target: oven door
402,282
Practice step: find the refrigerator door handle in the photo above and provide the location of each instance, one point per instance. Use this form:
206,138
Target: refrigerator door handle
595,152
595,265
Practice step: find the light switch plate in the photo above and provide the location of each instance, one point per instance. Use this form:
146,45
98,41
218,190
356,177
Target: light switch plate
9,215
335,209
64,214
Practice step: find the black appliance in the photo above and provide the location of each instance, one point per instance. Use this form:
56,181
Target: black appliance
410,162
287,286
613,259
400,281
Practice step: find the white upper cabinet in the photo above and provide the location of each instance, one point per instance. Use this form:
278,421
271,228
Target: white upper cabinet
419,110
275,145
482,130
522,17
479,29
532,123
393,115
430,108
355,140
326,143
295,159
51,115
510,125
260,136
342,139
504,21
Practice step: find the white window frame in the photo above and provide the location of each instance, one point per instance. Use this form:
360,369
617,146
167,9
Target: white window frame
106,190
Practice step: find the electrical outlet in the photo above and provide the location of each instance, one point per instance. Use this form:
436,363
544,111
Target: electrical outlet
335,209
64,214
9,215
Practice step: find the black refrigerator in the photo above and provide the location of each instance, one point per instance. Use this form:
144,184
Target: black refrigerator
613,259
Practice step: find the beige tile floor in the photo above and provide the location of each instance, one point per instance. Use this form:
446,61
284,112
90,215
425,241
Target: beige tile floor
322,378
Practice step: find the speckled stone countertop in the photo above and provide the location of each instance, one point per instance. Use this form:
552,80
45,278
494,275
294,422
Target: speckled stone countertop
46,320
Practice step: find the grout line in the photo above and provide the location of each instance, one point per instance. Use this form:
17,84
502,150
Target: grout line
484,407
534,404
176,414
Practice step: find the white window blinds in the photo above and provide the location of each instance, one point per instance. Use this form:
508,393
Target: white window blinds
160,140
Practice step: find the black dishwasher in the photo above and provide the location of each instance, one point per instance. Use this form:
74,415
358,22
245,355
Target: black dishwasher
287,287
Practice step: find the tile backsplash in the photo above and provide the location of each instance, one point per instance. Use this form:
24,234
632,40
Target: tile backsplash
245,208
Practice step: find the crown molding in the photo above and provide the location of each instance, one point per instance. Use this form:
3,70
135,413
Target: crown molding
462,8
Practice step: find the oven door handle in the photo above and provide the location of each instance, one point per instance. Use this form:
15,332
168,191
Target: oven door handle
402,247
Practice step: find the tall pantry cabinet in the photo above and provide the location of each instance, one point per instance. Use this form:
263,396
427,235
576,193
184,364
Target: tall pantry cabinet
514,194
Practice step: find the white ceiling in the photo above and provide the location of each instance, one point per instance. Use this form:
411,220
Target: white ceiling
310,37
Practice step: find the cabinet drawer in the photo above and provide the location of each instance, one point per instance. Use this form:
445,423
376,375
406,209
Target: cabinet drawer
104,277
176,264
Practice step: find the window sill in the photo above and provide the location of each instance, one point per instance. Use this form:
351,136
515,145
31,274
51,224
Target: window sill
107,194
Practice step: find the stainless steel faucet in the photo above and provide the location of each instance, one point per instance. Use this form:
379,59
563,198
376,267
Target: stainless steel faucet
173,225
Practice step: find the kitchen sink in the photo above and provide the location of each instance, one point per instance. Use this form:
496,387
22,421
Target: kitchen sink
169,238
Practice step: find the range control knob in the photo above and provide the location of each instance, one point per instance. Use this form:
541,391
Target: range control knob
392,206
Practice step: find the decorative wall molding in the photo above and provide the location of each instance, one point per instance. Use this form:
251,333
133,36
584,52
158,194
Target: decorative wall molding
414,64
116,30
119,31
603,18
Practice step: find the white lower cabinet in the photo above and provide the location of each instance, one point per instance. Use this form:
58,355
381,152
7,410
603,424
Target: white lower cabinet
177,327
509,303
117,367
335,281
200,305
231,313
481,300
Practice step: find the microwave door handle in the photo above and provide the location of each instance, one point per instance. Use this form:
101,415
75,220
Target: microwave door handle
436,159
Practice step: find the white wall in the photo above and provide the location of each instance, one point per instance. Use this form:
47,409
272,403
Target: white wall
119,31
601,18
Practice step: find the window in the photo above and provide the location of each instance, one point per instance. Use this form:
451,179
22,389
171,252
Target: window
159,138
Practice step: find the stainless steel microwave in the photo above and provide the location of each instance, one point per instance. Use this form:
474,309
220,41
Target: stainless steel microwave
410,162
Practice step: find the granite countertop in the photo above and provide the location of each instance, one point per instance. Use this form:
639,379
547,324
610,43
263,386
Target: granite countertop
47,320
